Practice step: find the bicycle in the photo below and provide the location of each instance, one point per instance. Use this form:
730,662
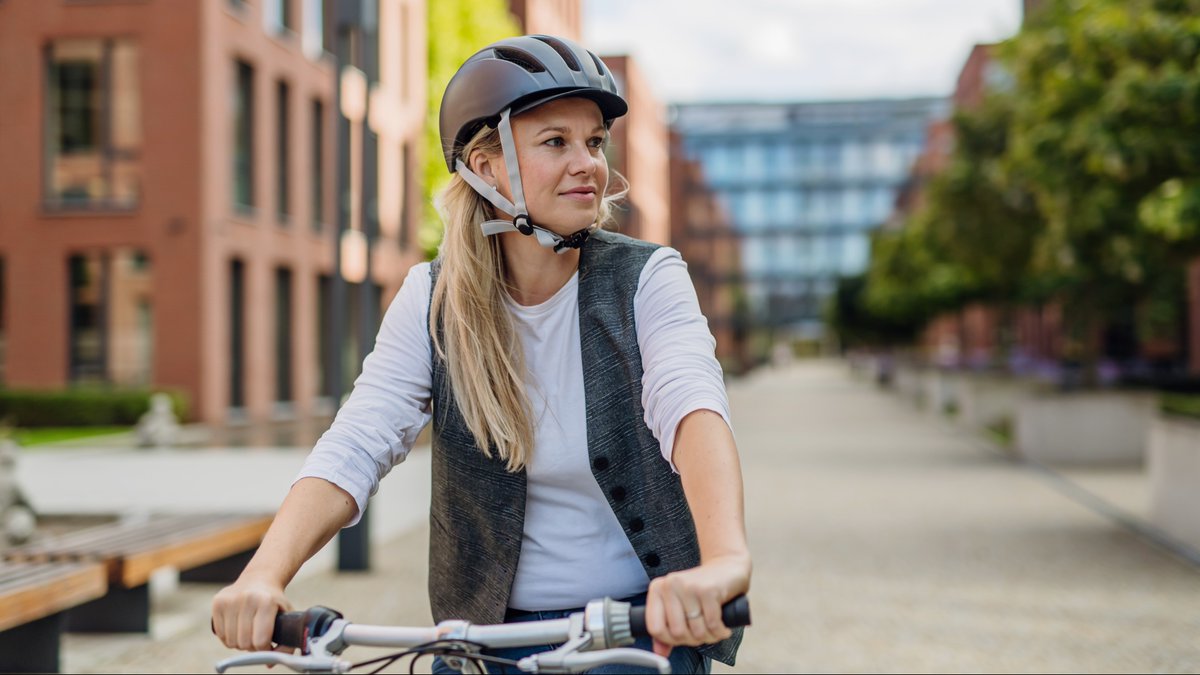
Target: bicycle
597,636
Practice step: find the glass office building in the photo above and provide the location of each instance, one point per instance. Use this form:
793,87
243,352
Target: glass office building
805,184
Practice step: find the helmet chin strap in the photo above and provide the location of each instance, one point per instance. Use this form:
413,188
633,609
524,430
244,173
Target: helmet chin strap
521,221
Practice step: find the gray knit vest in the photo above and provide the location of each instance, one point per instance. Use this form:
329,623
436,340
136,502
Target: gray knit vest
477,514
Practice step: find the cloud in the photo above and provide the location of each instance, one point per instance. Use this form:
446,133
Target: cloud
797,49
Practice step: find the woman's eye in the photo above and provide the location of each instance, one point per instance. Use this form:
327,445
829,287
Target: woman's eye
554,142
597,141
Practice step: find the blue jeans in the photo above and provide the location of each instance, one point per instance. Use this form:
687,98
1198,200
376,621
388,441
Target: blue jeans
683,659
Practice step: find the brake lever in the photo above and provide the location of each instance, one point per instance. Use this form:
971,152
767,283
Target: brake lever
299,664
583,661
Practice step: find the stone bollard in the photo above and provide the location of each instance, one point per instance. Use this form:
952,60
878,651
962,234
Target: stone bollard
16,517
158,428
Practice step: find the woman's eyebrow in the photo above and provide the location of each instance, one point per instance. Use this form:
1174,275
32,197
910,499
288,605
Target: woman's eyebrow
564,130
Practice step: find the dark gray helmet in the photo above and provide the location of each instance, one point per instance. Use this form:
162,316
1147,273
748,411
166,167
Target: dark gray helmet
521,73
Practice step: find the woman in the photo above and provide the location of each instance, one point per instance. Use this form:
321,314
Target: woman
581,445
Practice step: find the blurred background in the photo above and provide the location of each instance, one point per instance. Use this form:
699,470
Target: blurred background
986,213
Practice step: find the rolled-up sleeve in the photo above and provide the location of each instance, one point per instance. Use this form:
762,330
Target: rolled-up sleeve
681,373
389,405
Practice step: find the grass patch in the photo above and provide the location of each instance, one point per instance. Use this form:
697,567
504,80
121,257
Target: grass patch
43,435
1001,431
1183,405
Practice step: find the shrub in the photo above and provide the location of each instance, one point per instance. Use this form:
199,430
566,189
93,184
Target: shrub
79,407
1181,404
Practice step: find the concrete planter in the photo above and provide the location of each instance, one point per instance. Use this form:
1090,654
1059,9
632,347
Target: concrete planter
910,383
1085,428
942,391
1174,468
985,400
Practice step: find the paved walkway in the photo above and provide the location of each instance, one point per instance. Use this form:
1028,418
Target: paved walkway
884,540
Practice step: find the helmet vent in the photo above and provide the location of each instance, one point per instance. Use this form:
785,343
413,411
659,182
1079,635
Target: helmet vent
521,58
599,64
562,50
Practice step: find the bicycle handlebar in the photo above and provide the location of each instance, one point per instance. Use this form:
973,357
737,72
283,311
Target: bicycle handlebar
292,629
734,614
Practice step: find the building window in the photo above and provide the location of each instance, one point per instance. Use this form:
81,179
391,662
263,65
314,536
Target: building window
3,323
324,343
243,150
237,333
283,174
278,16
410,197
283,334
111,329
317,191
93,126
286,15
312,37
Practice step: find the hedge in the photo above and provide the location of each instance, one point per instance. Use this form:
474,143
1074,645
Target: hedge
1181,404
80,407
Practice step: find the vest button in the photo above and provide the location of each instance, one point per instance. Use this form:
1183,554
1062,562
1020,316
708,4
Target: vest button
652,559
618,493
636,525
600,463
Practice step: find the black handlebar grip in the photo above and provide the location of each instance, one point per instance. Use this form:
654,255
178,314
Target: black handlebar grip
289,629
734,614
294,629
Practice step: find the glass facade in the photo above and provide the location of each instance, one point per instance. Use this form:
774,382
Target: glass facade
805,189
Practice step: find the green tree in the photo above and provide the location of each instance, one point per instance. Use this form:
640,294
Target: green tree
983,218
457,29
1106,129
911,277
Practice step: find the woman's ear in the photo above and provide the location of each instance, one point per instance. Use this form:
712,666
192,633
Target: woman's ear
481,165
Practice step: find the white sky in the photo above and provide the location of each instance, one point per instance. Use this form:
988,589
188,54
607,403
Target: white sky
714,50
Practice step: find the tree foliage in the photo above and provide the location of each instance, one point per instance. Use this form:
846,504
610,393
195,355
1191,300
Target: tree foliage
1080,179
1107,129
457,29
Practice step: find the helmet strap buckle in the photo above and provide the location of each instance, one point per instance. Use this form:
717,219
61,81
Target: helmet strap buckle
522,223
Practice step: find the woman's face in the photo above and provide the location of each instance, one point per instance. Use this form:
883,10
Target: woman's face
560,146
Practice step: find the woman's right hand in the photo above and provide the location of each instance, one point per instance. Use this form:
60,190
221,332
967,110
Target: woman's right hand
243,614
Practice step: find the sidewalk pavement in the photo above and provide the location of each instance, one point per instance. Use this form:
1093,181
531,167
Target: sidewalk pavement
884,539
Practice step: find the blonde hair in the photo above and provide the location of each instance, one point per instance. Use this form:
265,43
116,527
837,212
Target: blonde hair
478,342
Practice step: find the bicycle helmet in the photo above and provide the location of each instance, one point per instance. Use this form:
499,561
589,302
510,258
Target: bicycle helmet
507,78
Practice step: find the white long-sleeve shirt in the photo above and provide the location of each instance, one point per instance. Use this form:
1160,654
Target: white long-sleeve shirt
574,549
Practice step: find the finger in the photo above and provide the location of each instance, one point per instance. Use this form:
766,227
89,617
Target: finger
661,648
245,626
713,623
264,626
677,623
218,620
656,622
697,623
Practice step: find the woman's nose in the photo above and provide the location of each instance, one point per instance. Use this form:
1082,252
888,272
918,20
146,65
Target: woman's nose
581,160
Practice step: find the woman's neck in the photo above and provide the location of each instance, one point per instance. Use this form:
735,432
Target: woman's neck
535,273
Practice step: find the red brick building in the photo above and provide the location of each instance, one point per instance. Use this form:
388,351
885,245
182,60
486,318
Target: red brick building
168,192
640,150
562,18
702,231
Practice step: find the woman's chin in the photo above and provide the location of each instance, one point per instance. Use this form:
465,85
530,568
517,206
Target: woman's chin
568,227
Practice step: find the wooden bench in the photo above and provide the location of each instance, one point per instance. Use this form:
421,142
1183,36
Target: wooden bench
33,600
203,547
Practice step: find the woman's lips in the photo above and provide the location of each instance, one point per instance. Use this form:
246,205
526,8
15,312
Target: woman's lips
580,195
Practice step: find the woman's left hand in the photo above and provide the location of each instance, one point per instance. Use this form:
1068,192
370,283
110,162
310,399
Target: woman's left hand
684,608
